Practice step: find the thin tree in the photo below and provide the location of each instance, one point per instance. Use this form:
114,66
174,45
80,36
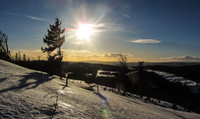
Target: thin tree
16,57
24,58
123,70
19,57
140,65
54,41
123,62
39,58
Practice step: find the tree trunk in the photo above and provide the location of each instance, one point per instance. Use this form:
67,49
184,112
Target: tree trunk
60,63
66,81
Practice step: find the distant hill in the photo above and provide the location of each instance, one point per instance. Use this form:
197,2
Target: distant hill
145,63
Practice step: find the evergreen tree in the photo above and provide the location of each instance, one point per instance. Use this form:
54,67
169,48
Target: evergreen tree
19,57
28,59
16,57
54,41
24,57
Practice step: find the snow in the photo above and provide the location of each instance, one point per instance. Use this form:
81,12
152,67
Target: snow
194,87
24,95
106,74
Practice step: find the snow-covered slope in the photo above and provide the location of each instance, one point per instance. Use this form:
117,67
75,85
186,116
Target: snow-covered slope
194,87
23,94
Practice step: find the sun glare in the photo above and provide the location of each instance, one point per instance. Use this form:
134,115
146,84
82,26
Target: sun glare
84,31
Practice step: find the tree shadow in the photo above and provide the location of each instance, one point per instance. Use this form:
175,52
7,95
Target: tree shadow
29,81
2,79
102,98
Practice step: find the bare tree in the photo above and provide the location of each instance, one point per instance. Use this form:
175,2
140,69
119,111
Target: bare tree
123,62
4,52
140,65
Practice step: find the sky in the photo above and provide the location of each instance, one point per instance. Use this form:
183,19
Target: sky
142,30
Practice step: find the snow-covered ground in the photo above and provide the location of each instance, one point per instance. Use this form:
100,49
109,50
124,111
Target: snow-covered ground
194,87
24,95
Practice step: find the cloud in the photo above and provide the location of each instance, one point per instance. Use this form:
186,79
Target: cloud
28,16
75,51
112,11
34,18
112,54
73,55
184,58
115,54
125,15
111,27
145,41
85,54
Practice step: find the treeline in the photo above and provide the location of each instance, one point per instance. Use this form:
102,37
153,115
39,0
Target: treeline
19,58
78,68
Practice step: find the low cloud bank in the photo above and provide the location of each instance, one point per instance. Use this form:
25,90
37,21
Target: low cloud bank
184,58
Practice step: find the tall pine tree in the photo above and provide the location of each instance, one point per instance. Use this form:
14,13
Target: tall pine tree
24,58
54,41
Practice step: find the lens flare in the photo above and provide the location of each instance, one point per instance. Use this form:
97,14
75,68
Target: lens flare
84,31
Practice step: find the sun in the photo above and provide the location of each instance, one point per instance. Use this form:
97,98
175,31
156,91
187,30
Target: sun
84,31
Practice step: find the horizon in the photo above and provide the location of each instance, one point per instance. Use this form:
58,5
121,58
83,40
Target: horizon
143,30
116,63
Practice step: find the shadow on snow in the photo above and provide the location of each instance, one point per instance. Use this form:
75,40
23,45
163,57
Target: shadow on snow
29,81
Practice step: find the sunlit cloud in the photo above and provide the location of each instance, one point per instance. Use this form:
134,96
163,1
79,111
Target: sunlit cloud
96,54
145,41
75,51
109,27
116,54
183,58
84,55
75,55
34,18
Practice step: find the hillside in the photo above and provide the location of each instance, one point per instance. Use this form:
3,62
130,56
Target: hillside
26,93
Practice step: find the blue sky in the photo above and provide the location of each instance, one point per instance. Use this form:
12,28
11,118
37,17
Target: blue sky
149,30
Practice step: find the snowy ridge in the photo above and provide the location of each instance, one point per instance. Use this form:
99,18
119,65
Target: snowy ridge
22,95
194,87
